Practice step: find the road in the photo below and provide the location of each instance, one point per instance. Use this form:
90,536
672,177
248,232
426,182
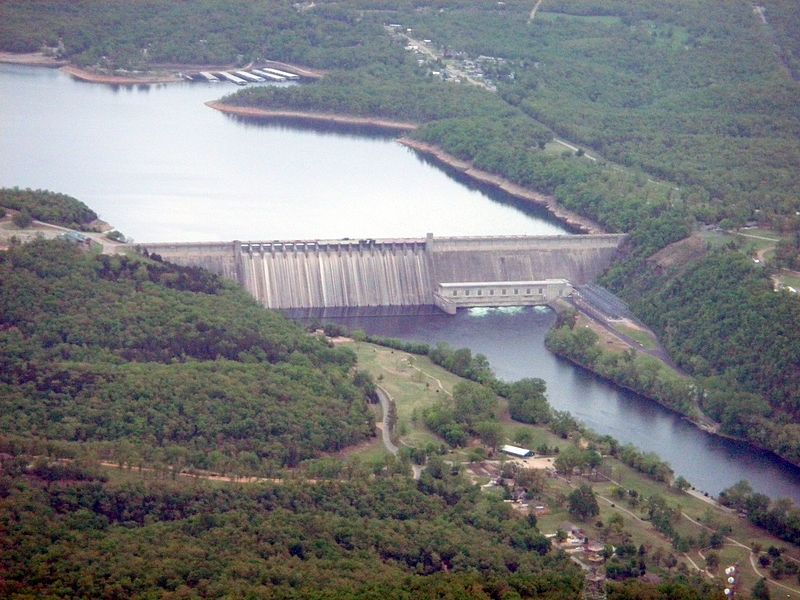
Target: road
385,399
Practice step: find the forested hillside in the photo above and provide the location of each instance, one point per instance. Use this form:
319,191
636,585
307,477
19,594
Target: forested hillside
687,111
49,207
722,321
66,532
119,34
168,369
141,361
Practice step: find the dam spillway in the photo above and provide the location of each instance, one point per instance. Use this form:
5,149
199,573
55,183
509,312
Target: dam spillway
336,274
308,274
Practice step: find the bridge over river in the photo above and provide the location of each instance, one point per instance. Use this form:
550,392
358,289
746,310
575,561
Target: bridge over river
448,272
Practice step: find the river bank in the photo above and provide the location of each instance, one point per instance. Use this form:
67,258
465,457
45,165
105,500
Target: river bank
714,431
572,220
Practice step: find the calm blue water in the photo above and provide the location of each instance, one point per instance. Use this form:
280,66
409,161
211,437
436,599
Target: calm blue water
161,166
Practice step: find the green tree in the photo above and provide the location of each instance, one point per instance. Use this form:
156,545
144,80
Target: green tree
23,219
760,590
582,503
527,402
490,432
473,403
681,483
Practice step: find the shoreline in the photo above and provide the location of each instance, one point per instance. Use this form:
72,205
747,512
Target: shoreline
159,73
685,417
31,59
549,203
312,117
569,218
92,77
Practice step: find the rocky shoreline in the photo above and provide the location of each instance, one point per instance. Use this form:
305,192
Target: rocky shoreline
144,79
572,220
312,117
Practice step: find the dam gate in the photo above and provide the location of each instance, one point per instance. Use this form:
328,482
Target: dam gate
448,272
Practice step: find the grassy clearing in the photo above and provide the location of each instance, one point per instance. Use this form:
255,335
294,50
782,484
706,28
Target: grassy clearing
790,280
414,383
643,337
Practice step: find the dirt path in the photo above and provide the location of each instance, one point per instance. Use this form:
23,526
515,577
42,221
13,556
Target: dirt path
772,581
533,12
757,237
752,555
206,476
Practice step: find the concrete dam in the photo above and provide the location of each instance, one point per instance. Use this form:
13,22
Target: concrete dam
444,271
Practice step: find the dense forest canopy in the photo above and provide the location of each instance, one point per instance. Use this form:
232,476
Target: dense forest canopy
688,91
69,533
138,34
148,362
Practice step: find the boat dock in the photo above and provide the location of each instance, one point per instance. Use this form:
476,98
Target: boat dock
270,76
248,76
279,73
232,78
243,76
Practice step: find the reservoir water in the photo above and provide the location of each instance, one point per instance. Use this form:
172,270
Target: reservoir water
161,166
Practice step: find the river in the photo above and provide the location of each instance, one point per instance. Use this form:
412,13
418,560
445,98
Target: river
161,166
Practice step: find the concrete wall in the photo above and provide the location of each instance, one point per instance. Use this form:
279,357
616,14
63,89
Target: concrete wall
577,258
380,274
390,272
217,257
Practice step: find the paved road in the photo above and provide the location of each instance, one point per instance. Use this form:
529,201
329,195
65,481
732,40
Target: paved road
385,399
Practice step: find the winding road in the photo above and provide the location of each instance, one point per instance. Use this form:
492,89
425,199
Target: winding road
385,400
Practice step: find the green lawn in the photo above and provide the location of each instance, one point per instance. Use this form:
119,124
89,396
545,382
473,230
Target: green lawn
643,337
411,381
790,280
